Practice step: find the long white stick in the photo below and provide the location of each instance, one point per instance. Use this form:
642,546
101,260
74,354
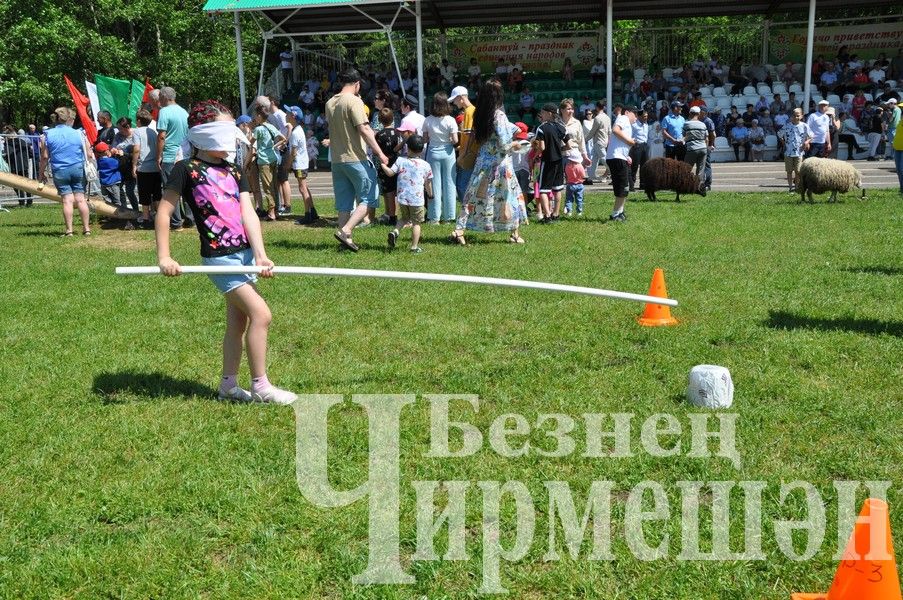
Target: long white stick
329,272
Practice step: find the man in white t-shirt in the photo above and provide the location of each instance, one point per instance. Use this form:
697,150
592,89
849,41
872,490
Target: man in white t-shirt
819,123
618,159
410,116
877,75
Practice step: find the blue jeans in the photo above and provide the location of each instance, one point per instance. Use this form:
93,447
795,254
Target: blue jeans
462,179
815,150
573,194
891,134
354,180
69,180
898,162
442,162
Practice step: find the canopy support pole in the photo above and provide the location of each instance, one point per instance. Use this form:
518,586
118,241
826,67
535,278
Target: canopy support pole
263,62
609,57
395,59
419,30
810,41
241,65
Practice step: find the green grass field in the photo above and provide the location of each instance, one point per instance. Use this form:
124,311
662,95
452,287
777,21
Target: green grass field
122,477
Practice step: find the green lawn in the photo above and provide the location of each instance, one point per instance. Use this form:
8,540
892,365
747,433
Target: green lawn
122,477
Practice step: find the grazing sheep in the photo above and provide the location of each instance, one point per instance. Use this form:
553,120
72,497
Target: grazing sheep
821,175
669,174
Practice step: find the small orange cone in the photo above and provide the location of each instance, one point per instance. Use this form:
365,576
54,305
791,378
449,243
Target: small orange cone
868,570
657,314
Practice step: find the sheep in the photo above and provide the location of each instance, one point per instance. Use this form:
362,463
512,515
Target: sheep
821,175
669,174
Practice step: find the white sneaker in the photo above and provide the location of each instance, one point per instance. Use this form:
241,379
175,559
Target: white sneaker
236,394
274,395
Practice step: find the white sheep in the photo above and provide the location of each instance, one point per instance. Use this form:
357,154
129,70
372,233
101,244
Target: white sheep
822,175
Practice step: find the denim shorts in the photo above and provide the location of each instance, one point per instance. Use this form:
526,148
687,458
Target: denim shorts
69,180
227,283
354,180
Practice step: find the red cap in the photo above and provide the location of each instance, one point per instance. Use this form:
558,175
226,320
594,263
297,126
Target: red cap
101,147
522,134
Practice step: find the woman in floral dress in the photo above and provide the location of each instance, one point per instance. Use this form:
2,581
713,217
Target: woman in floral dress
493,200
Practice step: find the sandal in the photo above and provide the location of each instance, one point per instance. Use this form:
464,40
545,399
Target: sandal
345,240
457,237
86,232
516,239
66,234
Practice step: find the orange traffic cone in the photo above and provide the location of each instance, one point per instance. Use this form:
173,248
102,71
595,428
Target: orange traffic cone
657,314
868,570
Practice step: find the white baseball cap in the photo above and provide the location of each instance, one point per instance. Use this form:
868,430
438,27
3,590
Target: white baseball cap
694,109
459,90
823,102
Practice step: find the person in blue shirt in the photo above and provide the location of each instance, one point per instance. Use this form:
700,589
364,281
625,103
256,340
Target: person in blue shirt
65,149
740,138
110,176
673,132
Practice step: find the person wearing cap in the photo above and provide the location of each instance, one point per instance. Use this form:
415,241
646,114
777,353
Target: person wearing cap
849,129
819,124
695,137
411,120
492,201
520,160
893,120
618,160
353,175
550,141
673,132
467,149
109,175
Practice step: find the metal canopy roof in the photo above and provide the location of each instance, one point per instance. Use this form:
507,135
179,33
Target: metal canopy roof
306,17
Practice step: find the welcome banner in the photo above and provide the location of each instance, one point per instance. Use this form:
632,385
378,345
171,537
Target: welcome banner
534,55
866,41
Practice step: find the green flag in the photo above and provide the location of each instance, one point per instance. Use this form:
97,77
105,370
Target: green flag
113,95
135,99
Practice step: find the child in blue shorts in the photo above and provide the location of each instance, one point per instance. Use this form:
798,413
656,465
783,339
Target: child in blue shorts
217,194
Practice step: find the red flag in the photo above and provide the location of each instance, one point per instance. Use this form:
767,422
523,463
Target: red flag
148,88
81,107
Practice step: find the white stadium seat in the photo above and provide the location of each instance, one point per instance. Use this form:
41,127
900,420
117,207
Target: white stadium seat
749,91
796,88
779,88
719,92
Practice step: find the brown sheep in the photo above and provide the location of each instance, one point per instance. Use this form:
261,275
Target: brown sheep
669,174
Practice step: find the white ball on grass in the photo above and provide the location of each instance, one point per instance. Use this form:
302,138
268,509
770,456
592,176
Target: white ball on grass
710,386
